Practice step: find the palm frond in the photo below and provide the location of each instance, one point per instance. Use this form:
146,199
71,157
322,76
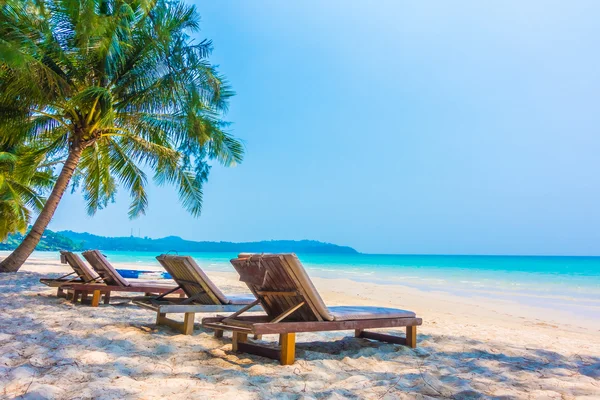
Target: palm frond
123,82
190,191
131,176
98,185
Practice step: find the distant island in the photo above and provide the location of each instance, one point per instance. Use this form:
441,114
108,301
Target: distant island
74,241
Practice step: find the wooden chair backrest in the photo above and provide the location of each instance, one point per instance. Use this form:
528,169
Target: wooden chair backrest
192,280
280,283
108,273
82,270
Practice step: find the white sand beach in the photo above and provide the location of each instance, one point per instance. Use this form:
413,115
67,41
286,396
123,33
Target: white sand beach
468,348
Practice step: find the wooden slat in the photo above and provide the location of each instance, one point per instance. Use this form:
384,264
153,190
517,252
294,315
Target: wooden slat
254,274
290,272
277,280
193,284
273,282
169,292
273,306
244,309
304,313
222,326
271,293
160,301
196,308
239,265
103,268
253,318
263,327
287,312
146,305
236,322
318,326
59,282
382,337
107,288
258,350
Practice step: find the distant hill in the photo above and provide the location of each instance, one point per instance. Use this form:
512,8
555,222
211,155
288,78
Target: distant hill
51,241
175,243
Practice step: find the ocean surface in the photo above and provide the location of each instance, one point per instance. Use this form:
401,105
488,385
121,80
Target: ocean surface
568,283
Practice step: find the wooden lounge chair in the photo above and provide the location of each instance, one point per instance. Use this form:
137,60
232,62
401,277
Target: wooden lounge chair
82,273
293,305
202,295
114,282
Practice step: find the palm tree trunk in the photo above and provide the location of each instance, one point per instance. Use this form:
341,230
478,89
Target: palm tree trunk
15,260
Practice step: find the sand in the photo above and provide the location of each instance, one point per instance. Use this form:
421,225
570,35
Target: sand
468,348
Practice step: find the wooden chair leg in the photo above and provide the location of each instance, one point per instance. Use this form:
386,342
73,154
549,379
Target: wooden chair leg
96,298
188,323
75,296
107,298
186,327
257,337
411,336
218,333
358,333
84,296
238,337
60,292
288,348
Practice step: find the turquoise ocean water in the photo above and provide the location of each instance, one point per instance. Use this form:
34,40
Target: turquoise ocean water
569,283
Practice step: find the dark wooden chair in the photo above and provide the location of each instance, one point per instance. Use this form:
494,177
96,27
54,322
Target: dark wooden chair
292,304
114,282
203,295
82,273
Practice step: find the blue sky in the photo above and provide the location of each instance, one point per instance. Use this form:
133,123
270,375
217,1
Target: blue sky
398,127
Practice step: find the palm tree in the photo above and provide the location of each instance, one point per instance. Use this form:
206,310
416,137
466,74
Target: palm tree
107,87
21,190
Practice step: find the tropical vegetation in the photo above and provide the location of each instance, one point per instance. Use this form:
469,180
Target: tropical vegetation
110,90
22,186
